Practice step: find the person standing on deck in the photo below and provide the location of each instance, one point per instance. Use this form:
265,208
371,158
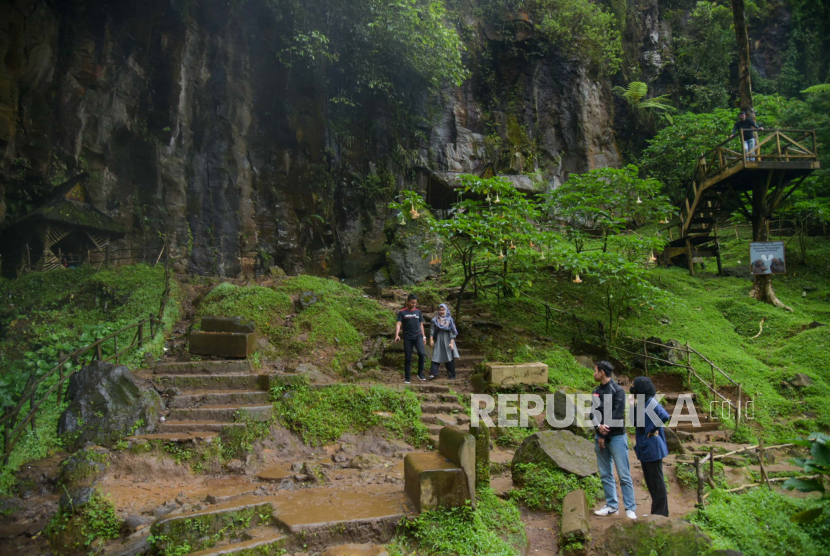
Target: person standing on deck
411,325
611,444
442,339
746,123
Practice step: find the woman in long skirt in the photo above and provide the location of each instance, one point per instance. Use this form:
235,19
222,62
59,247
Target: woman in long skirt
442,339
651,445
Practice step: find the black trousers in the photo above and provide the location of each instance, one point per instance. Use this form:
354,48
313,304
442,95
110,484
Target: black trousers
653,472
450,365
418,344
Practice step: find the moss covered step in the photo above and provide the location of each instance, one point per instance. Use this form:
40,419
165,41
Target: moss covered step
258,541
445,419
429,388
213,382
203,368
222,413
440,407
238,397
196,426
437,398
205,528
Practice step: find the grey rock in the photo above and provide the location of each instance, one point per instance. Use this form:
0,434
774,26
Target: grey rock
83,468
366,461
235,466
135,522
801,380
585,361
406,259
106,403
740,271
136,544
673,442
647,535
165,509
561,449
76,498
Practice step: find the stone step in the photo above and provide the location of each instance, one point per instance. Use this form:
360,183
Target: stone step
429,388
213,382
203,368
440,407
445,419
238,397
179,529
180,437
674,396
196,426
437,398
221,413
266,541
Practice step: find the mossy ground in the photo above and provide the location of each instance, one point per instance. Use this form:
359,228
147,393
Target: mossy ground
714,314
330,332
49,313
75,530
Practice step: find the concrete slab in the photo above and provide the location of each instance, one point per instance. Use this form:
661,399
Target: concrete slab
507,374
575,525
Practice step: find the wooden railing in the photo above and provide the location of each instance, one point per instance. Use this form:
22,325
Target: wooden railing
772,146
584,331
14,426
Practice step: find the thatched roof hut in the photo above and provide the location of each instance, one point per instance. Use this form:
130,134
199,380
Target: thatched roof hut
65,231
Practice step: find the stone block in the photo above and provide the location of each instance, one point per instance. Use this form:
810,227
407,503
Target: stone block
507,374
575,524
222,344
431,481
459,447
227,324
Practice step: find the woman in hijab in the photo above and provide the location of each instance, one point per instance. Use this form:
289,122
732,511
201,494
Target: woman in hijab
442,339
651,445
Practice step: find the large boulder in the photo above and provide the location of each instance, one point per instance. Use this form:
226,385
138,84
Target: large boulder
653,534
107,403
561,449
564,404
406,259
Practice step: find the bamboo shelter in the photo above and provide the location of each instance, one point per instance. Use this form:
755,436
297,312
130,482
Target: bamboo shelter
65,232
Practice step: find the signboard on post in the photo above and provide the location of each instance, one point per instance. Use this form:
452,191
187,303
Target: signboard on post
767,257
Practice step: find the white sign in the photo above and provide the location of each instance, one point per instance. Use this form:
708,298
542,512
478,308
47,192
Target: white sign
767,257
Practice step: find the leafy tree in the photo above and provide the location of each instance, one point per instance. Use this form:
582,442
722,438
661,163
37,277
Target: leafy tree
673,153
605,201
704,51
818,464
636,96
493,230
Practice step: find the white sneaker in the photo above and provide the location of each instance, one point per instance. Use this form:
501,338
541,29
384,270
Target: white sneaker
406,382
606,511
630,514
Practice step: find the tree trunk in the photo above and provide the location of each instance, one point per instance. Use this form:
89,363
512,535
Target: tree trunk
762,288
744,77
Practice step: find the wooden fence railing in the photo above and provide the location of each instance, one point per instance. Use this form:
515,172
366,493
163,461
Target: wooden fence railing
583,331
14,420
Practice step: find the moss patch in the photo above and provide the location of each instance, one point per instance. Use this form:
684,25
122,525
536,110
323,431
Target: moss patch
543,487
73,532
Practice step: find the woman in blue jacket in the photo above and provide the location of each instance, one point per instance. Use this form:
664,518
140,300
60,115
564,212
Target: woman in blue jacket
651,445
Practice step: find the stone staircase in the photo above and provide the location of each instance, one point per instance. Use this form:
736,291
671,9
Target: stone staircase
211,396
439,408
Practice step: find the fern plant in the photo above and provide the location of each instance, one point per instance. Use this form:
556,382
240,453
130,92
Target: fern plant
636,96
818,89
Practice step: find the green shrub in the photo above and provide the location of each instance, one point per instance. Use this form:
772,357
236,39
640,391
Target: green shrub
544,487
495,528
758,523
321,415
72,530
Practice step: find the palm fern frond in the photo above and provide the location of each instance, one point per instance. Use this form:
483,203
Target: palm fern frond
821,88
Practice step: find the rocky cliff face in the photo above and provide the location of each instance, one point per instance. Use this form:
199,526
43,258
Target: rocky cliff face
189,125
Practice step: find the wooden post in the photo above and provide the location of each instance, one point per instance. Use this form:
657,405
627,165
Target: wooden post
689,256
6,434
714,387
140,334
645,356
32,403
60,377
689,365
699,475
738,415
99,351
115,347
712,466
764,478
28,258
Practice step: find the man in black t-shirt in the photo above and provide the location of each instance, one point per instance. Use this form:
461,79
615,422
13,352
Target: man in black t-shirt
746,123
411,325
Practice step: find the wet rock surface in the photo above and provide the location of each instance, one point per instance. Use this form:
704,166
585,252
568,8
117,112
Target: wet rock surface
561,449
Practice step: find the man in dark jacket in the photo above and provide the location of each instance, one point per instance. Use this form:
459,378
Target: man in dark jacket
611,445
748,125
